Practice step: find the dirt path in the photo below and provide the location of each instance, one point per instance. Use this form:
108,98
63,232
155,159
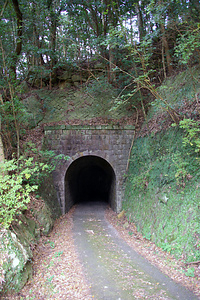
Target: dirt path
57,272
85,258
113,269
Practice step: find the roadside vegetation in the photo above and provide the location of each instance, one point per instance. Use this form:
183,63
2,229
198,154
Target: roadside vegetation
162,191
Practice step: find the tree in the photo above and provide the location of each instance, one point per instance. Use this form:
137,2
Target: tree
39,36
2,157
18,47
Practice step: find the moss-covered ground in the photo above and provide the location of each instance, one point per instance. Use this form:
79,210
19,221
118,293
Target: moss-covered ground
98,99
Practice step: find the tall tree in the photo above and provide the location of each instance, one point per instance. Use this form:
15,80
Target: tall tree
1,142
18,47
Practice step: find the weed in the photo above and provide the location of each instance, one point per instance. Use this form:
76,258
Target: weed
50,278
57,254
52,244
190,272
166,247
147,236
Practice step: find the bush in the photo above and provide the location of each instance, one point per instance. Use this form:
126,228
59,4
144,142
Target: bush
18,179
15,188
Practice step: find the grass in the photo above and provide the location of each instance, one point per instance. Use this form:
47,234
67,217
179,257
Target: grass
178,90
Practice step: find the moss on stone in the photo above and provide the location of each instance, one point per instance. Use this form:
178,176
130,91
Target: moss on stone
16,248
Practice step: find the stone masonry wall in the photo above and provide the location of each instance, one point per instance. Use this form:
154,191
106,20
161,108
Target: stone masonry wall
111,143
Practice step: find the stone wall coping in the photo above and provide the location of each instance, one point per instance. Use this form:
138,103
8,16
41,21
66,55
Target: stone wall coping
89,127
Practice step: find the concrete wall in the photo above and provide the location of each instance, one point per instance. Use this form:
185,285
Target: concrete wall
110,143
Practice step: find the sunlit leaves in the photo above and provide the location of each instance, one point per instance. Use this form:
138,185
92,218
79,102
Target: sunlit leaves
14,190
19,178
188,44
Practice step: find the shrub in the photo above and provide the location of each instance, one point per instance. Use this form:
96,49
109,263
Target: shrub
18,179
14,188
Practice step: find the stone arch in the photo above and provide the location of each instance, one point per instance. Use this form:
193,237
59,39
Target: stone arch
89,177
111,143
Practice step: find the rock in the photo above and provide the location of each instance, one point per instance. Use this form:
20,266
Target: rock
163,198
45,219
64,85
65,75
76,84
15,258
76,78
16,248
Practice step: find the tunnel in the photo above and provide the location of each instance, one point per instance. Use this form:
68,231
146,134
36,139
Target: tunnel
89,179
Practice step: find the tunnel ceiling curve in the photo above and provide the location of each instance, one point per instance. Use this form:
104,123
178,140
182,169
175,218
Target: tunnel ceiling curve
89,178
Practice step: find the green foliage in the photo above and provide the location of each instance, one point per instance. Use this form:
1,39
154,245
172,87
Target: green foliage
59,253
14,192
191,142
166,247
104,28
101,89
147,235
190,272
141,180
45,161
12,118
19,178
188,44
162,193
192,136
181,170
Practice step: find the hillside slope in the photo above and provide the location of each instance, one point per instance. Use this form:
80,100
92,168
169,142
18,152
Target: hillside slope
163,183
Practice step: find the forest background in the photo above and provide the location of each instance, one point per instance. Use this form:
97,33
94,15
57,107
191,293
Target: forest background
140,42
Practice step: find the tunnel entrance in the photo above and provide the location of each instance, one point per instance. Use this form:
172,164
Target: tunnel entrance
89,179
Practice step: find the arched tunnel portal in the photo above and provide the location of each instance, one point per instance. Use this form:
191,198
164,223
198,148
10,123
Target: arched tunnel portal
88,179
97,163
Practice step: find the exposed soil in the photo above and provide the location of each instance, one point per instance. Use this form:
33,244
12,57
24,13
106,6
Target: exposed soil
58,273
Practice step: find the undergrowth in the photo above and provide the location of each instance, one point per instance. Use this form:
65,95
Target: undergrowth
163,191
178,91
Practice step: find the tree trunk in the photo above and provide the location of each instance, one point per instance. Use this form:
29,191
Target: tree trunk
165,44
140,23
19,36
112,76
166,48
2,157
53,30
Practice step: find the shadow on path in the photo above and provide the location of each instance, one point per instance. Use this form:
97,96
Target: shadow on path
113,269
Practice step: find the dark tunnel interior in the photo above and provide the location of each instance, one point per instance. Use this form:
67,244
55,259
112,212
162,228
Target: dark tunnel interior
89,179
